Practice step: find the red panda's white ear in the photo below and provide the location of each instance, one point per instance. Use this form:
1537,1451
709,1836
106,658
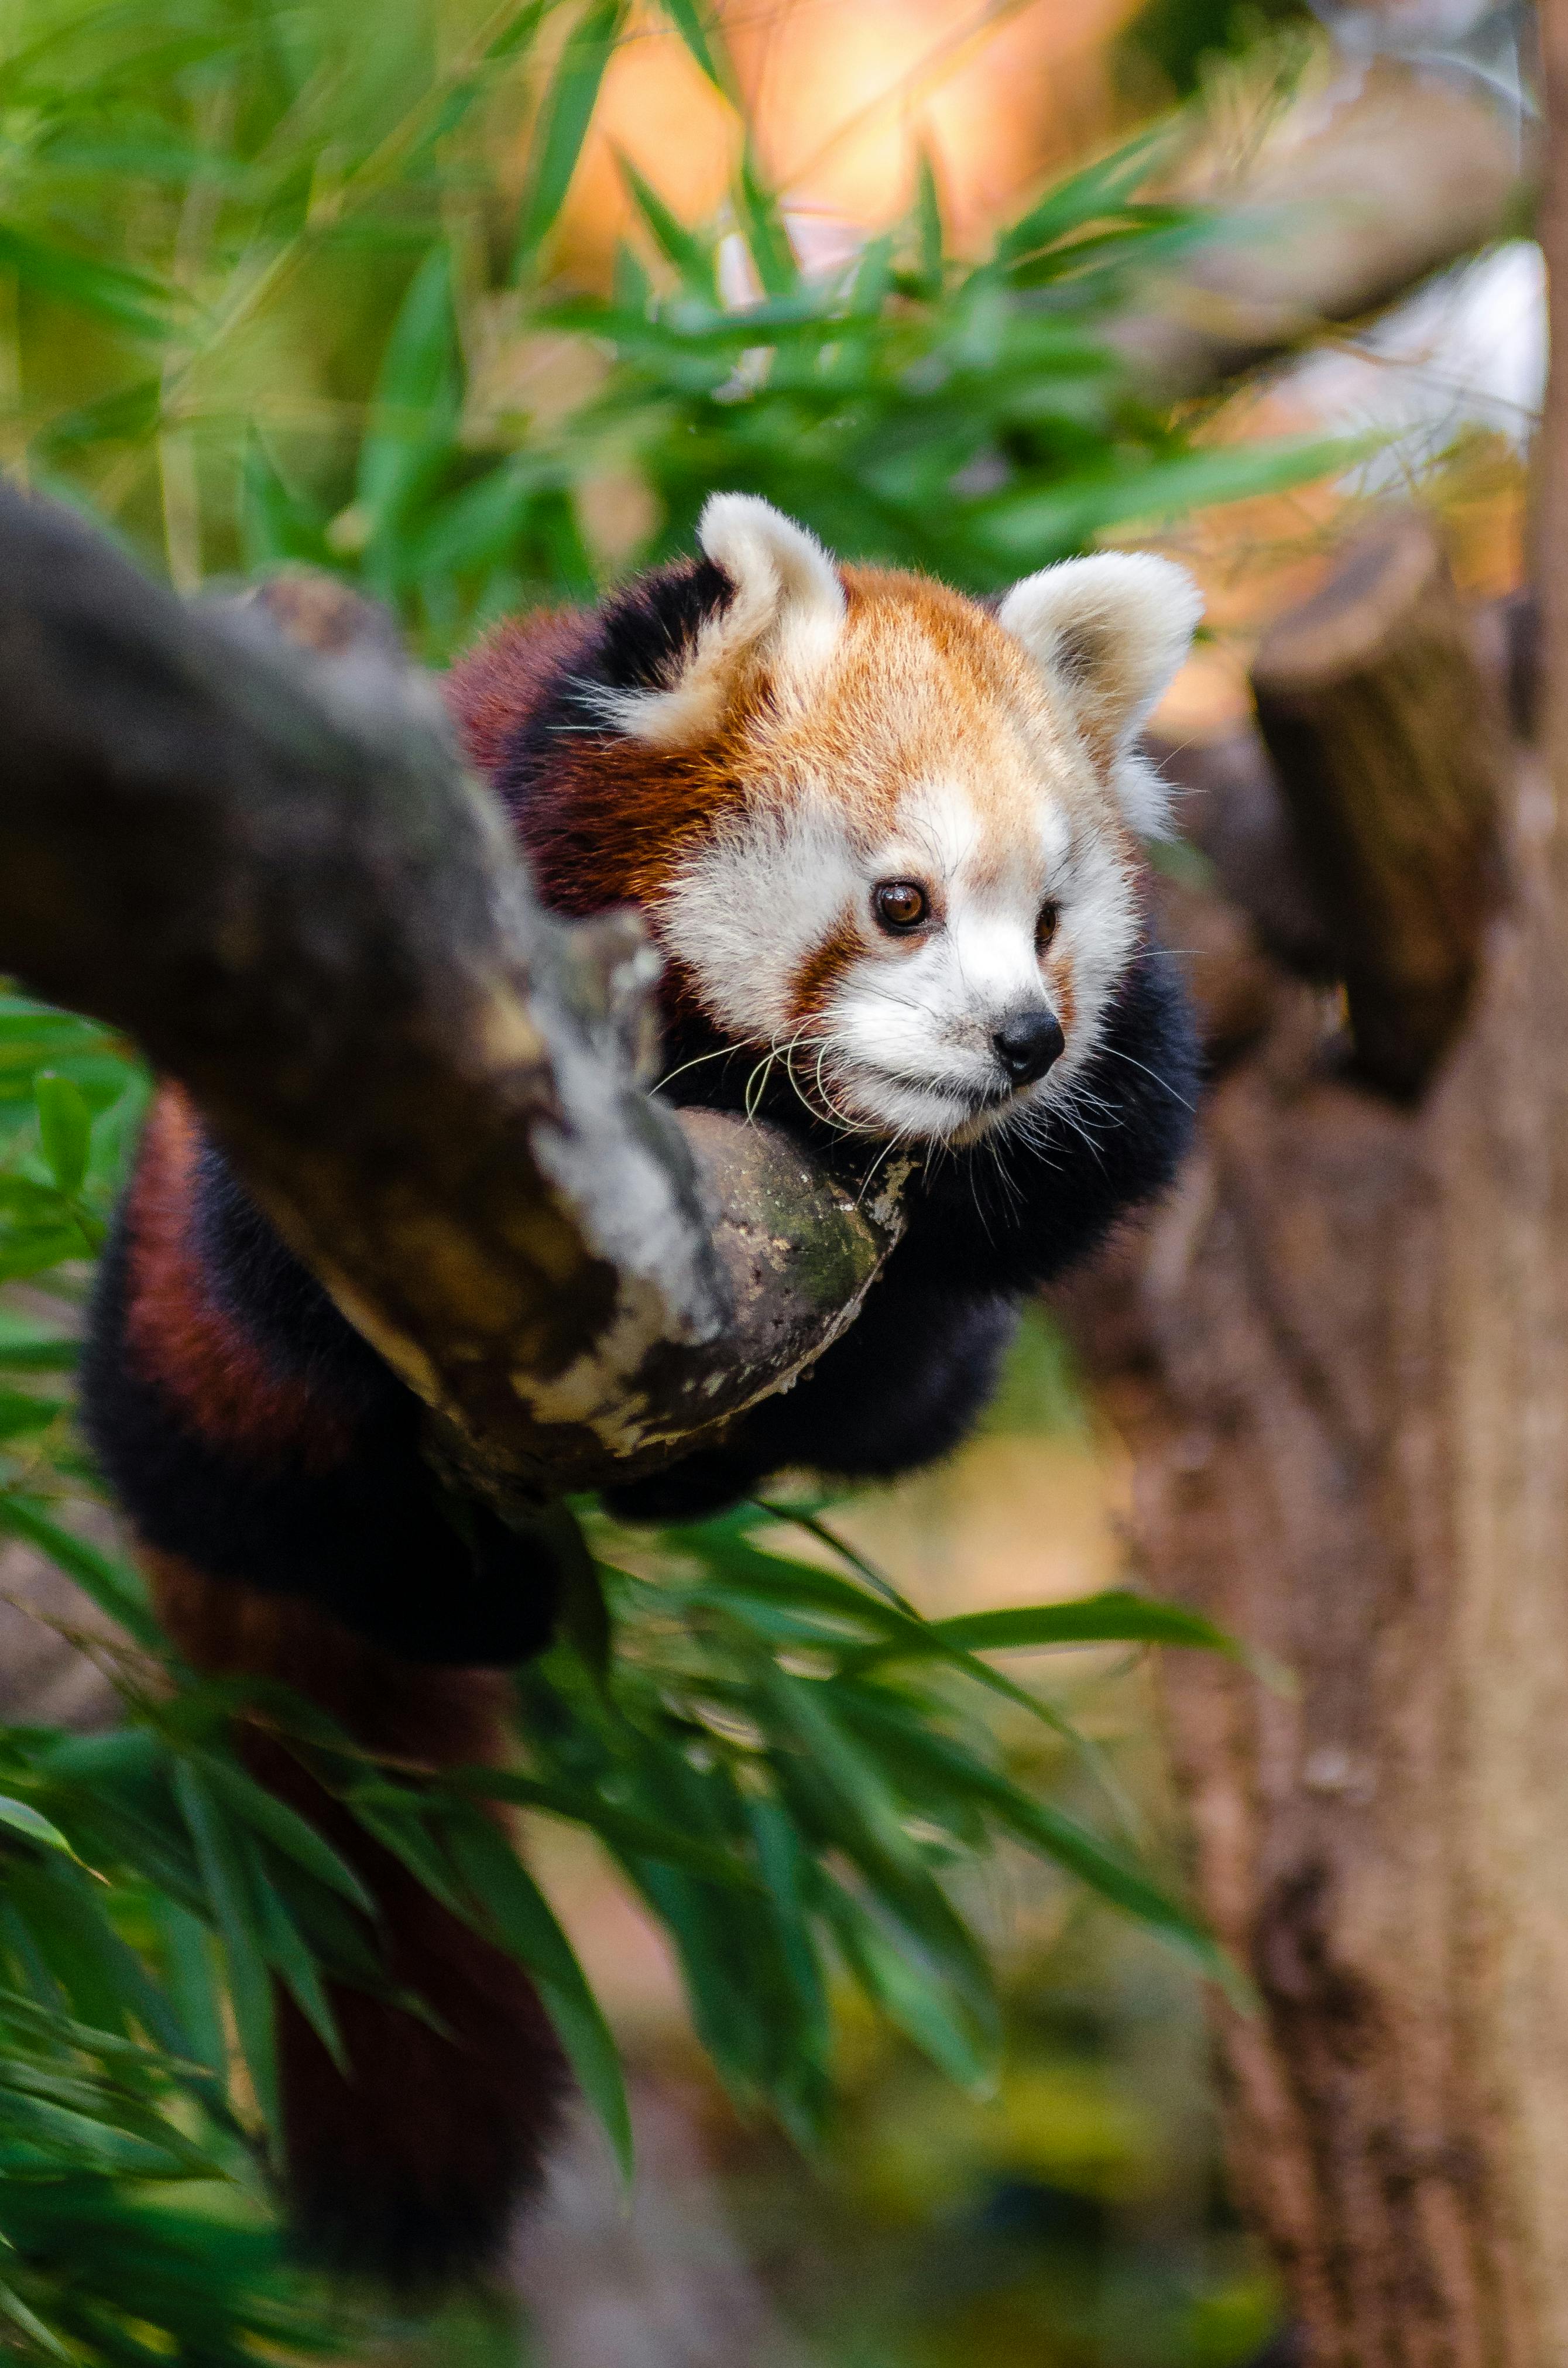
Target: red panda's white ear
785,613
1108,633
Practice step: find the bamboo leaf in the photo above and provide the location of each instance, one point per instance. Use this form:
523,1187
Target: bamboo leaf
1086,196
233,1911
288,1957
907,1994
21,1413
31,2326
18,1818
25,1347
698,28
418,391
284,1828
522,1918
766,233
929,225
115,1587
690,255
564,115
66,1128
135,301
1115,1616
1031,526
401,1819
624,1829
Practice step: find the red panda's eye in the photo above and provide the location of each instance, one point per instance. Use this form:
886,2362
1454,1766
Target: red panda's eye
900,904
1045,927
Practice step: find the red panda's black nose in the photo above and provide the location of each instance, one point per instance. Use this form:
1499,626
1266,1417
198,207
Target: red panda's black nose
1027,1043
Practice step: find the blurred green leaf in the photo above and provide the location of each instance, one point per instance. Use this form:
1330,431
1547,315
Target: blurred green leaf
286,1953
131,300
286,1831
522,1918
566,113
766,233
66,1128
223,1872
31,2326
642,1837
892,1974
1048,522
1096,191
698,28
22,1819
1116,1617
115,1587
692,256
20,1414
415,409
25,1346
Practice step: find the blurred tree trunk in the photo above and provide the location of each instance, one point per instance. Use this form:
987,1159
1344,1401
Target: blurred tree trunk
1341,1358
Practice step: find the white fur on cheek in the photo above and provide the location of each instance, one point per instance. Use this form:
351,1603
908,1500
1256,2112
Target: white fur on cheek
1096,937
745,912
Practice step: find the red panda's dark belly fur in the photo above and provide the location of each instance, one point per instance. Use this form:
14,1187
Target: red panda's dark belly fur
270,1467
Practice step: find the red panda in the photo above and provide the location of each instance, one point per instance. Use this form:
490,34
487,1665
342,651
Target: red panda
888,843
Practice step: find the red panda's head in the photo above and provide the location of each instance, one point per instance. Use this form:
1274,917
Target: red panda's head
879,830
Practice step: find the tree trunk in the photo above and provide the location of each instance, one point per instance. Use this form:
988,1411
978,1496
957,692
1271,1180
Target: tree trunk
1341,1358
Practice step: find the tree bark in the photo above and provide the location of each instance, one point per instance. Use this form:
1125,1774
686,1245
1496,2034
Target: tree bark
1390,743
267,863
1341,1358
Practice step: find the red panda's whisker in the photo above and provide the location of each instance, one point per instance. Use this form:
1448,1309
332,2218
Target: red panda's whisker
904,1135
1163,1083
848,1125
757,1085
725,1052
828,1113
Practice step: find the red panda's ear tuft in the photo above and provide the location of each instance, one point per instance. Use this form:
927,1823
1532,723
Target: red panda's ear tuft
772,602
1108,633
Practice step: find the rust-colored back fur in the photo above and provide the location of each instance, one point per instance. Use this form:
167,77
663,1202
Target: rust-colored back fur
501,679
175,1328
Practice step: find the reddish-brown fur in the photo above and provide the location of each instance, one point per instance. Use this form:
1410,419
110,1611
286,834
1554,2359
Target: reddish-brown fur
503,677
430,2133
222,1384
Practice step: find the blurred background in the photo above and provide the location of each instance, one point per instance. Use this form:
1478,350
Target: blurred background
473,305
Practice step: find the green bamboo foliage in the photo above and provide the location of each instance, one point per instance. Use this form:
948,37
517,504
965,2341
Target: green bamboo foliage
254,270
266,286
791,1767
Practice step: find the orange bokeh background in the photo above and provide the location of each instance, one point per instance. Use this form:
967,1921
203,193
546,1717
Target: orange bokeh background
842,94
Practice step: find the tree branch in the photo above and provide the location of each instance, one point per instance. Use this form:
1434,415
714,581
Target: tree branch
267,864
1390,745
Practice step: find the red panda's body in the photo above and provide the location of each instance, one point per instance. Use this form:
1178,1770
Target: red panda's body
887,843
